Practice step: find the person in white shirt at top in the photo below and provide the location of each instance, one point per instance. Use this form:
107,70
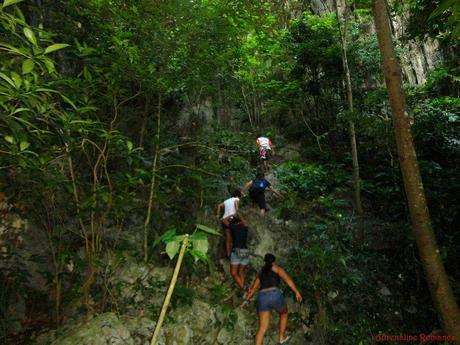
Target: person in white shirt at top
265,149
230,207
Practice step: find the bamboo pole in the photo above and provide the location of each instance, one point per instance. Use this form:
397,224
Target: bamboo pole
164,308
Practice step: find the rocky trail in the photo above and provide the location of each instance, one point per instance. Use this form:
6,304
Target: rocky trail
211,316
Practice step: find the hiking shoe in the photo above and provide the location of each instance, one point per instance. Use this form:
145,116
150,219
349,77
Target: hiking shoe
285,341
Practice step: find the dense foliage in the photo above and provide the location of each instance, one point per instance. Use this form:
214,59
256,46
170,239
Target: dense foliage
112,108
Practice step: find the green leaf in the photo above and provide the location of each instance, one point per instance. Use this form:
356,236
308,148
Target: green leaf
199,235
198,255
54,47
172,248
19,110
129,144
166,237
8,79
9,139
23,145
208,229
17,79
30,36
201,246
28,66
10,2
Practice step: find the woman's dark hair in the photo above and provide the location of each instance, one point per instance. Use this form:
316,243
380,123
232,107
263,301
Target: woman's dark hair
236,194
269,260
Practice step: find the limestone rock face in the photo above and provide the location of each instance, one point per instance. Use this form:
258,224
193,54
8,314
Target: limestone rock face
103,329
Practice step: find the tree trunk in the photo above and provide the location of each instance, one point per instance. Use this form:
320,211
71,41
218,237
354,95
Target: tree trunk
351,124
436,276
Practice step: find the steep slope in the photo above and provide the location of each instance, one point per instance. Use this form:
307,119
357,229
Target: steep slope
211,316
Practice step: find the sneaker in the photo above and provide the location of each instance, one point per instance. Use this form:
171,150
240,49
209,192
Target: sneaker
285,341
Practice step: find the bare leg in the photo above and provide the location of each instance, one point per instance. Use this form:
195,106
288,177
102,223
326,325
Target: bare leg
266,168
242,273
283,325
228,242
235,276
262,212
264,321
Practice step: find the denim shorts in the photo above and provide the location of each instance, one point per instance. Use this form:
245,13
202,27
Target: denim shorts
270,300
235,259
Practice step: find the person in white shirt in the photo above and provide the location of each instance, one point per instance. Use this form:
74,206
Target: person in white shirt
230,207
265,147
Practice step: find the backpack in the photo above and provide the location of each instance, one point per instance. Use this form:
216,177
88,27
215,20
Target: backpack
259,185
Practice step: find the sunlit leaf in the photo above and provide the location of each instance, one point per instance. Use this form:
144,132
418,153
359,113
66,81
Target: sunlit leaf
10,2
172,248
28,66
23,145
201,246
54,47
30,36
17,79
9,139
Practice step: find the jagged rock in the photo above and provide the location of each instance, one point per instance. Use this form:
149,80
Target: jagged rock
141,329
103,329
182,336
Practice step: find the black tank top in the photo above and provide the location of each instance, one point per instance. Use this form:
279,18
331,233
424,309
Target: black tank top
239,235
268,280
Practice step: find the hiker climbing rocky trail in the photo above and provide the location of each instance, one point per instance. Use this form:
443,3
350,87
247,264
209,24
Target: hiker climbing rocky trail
124,124
212,314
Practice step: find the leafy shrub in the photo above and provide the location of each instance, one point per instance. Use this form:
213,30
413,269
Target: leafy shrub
307,180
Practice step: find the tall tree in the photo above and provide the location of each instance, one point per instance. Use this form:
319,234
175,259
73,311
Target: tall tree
438,282
351,123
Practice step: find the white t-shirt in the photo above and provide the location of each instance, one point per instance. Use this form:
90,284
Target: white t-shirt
264,142
230,208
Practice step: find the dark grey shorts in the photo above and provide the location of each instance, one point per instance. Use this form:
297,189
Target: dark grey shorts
270,300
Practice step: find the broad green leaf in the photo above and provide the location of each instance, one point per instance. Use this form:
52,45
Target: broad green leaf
166,237
129,144
28,66
208,229
10,2
172,248
199,235
30,36
54,47
23,145
201,246
197,255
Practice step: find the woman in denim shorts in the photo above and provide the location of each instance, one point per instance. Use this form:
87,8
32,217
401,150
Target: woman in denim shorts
271,298
239,257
